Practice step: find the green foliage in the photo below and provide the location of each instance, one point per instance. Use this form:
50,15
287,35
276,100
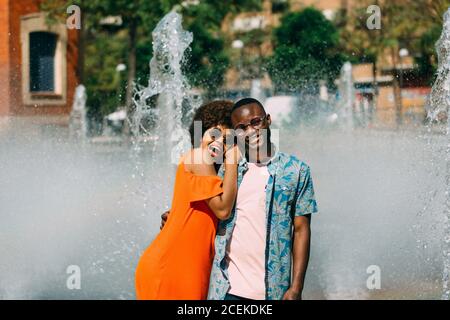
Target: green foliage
427,59
306,51
105,84
107,46
251,60
280,6
412,24
423,46
208,60
308,25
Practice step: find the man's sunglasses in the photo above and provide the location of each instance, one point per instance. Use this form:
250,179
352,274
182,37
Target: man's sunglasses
255,123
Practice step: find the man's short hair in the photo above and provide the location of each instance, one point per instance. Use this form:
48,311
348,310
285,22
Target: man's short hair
246,101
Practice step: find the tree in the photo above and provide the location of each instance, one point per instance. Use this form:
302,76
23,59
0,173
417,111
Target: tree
133,14
103,43
305,52
209,59
431,28
202,17
410,24
252,58
130,43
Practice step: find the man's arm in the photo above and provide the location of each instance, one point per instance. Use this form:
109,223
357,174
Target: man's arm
300,253
164,217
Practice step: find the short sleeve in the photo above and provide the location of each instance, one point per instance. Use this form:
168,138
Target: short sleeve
204,187
305,199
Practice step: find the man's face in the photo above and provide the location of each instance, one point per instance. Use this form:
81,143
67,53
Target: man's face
253,125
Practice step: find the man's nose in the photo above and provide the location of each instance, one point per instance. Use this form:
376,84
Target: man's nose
250,131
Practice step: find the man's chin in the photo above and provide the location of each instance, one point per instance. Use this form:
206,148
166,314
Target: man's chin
254,146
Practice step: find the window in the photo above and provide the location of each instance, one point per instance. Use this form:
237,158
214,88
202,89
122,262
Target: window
279,6
42,61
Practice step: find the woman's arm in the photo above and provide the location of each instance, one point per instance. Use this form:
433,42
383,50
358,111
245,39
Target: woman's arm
222,204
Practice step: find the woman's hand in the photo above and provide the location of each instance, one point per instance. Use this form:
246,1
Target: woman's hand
222,204
233,155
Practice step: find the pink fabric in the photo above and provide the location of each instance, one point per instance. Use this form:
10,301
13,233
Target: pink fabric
246,251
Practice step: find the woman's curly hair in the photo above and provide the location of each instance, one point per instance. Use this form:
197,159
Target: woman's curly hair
211,114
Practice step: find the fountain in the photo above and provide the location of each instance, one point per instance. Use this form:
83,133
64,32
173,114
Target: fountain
175,102
169,86
257,90
439,107
62,206
77,122
347,96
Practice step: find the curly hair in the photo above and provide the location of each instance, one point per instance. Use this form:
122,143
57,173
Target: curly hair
211,114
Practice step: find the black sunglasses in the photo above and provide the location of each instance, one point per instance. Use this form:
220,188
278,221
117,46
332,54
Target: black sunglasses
255,123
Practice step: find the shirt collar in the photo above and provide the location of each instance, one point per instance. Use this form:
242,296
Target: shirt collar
271,163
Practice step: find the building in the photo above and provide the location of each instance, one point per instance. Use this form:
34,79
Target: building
255,29
377,95
414,93
251,31
38,61
329,8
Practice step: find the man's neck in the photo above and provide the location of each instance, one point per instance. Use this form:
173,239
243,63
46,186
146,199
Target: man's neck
260,155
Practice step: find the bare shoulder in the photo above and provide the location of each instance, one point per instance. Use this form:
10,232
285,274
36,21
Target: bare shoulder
195,164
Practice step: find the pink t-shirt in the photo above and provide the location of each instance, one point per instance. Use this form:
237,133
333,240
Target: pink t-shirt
247,248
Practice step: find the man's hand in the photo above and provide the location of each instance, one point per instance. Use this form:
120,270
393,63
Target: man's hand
292,294
164,217
300,256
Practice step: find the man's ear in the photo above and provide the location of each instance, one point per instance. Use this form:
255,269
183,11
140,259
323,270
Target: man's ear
269,120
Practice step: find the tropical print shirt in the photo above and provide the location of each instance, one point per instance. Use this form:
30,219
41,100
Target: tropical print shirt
289,193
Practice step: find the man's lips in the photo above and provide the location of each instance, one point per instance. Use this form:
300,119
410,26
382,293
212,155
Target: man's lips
254,140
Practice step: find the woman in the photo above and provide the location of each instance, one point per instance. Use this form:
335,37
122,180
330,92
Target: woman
177,265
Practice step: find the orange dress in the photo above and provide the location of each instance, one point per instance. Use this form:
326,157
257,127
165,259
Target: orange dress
177,264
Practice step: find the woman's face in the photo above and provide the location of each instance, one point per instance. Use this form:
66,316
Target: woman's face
215,140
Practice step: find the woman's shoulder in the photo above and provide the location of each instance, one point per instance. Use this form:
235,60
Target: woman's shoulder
194,162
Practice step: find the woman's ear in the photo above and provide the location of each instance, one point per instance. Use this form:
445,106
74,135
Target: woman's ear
268,119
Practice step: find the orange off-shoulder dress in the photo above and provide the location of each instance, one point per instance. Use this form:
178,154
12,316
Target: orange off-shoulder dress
177,264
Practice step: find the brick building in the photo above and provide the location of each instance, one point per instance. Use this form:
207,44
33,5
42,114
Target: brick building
38,62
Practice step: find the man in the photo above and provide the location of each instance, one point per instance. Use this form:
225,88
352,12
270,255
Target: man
262,250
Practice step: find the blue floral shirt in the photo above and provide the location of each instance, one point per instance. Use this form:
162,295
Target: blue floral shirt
289,193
